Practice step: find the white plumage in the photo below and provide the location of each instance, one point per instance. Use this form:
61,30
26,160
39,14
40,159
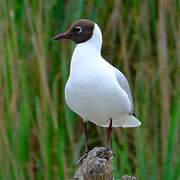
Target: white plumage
96,90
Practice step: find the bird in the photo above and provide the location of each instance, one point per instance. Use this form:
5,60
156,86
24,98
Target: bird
96,90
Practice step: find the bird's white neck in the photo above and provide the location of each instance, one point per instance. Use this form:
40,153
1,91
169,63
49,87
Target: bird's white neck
96,39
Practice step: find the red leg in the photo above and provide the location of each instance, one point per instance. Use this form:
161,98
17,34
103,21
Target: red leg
85,131
110,134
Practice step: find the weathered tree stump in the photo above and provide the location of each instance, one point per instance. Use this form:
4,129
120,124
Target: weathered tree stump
97,165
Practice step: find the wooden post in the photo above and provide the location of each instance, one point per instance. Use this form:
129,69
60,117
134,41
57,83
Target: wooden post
97,165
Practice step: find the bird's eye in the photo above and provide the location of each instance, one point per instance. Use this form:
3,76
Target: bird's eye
78,29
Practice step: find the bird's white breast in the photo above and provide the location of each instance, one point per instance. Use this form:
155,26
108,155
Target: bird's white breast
92,90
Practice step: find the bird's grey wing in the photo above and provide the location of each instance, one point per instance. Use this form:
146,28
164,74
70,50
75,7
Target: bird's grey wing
123,82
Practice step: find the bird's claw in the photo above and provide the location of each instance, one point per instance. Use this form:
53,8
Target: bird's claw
81,159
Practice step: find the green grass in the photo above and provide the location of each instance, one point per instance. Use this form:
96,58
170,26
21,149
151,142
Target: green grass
40,138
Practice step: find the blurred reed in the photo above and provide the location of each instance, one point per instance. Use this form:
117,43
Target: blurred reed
40,137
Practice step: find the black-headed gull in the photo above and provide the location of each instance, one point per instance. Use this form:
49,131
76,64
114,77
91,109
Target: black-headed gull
95,90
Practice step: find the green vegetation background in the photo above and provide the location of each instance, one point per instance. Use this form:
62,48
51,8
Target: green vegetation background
40,138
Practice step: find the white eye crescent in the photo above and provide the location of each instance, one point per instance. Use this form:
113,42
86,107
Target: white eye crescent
78,29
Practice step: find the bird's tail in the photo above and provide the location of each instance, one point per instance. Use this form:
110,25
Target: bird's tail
126,121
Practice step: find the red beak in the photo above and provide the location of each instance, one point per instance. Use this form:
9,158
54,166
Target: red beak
65,35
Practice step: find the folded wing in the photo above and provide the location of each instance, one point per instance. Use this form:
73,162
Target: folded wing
123,82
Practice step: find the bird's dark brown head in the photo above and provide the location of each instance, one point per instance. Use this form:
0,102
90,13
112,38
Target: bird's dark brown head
79,32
